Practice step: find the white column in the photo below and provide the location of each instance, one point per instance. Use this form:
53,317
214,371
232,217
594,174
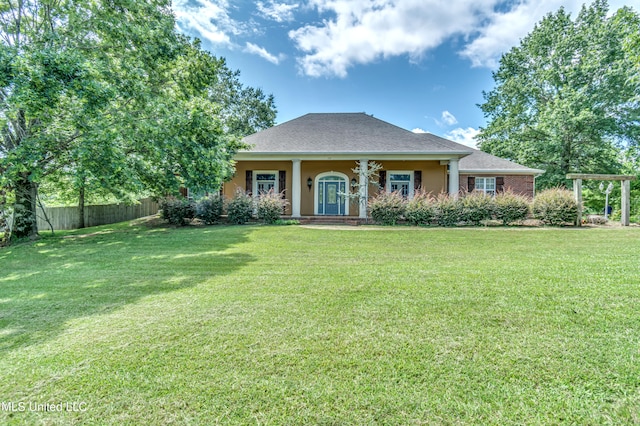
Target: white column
364,188
454,178
296,189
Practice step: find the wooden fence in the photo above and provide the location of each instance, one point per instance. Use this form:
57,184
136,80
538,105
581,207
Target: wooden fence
67,217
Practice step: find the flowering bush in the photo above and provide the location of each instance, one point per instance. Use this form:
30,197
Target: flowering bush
177,211
387,208
240,208
510,207
270,206
448,210
421,209
555,206
209,209
476,206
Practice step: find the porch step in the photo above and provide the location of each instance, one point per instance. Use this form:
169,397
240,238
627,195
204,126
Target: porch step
331,220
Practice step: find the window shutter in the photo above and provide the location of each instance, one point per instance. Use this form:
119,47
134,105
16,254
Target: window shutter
471,183
282,181
499,184
417,179
382,179
249,181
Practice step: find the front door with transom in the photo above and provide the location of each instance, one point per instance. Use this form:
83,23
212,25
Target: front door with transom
331,199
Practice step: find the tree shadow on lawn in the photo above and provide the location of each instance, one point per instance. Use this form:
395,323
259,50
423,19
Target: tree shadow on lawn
45,284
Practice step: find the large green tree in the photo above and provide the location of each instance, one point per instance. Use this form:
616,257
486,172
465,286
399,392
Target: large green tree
105,94
567,98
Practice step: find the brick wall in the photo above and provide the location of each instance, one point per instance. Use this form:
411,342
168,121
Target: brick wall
519,184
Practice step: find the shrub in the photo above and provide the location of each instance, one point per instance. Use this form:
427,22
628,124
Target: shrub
448,210
209,209
387,207
240,208
270,206
510,207
595,219
287,222
177,211
555,207
421,209
476,207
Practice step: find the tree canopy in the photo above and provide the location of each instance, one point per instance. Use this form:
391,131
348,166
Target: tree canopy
567,99
106,95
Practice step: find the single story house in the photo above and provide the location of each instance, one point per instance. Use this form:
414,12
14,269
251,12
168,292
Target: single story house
311,160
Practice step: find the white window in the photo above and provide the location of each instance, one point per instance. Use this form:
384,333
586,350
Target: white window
400,181
264,181
486,184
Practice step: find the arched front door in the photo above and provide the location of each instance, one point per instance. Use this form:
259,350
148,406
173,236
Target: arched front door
330,194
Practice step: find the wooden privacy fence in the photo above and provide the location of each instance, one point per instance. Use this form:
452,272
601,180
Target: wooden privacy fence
67,217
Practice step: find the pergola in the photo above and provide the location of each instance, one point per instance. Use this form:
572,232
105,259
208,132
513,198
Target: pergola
626,189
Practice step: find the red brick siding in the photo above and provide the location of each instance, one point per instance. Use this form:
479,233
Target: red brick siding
519,184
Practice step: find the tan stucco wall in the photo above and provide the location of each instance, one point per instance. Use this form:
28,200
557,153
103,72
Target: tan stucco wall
434,177
239,178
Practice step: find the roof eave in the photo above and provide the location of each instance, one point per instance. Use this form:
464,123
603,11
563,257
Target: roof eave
270,156
523,172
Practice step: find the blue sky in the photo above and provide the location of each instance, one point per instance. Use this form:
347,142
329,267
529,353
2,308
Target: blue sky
419,64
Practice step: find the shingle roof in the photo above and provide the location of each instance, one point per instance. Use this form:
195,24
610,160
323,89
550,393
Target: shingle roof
480,161
342,133
360,133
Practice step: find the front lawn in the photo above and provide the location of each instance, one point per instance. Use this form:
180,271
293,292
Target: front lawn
290,325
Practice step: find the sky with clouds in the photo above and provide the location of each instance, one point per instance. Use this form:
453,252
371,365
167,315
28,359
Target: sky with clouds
419,64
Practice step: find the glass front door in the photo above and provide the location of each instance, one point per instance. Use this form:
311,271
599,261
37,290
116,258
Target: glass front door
331,199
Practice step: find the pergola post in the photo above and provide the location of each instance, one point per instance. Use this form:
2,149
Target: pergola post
625,205
577,193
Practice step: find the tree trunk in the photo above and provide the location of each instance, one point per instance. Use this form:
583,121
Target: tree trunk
81,223
25,224
4,228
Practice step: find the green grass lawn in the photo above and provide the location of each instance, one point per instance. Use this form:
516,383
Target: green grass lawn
292,325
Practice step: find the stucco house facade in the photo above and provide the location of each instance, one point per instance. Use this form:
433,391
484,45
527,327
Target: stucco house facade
311,159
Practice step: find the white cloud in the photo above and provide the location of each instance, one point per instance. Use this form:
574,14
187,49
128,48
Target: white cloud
503,30
448,118
353,32
419,130
364,31
262,52
207,19
464,136
279,12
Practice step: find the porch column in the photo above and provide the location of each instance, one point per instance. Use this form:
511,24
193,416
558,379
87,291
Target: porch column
364,188
296,189
454,178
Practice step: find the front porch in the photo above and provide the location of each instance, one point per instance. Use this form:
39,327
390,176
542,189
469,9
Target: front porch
317,188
